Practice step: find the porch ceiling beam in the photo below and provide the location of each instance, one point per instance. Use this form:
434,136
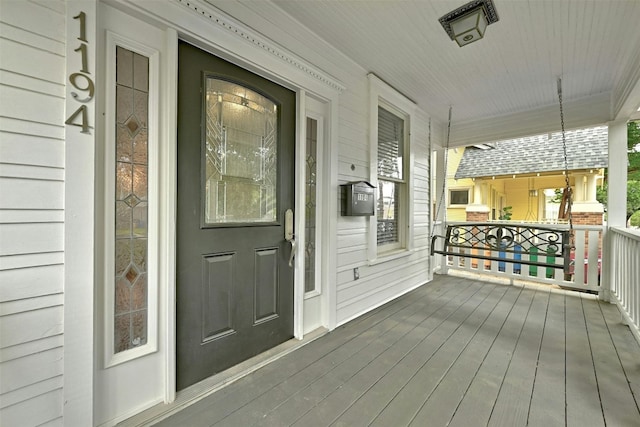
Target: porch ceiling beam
584,112
626,100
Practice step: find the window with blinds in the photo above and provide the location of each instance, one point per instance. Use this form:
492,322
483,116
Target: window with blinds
391,183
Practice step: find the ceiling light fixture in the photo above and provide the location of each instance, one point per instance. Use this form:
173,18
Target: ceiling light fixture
468,23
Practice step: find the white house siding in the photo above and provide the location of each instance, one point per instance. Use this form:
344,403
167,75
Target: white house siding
32,192
32,94
383,281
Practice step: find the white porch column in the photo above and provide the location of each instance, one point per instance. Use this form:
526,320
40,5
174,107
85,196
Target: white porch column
580,193
592,183
439,196
478,211
617,194
478,192
585,195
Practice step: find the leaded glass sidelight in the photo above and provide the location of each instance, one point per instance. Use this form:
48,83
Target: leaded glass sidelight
240,155
131,200
310,205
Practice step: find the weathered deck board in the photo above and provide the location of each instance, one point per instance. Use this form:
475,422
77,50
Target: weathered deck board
337,346
476,405
443,400
548,398
618,404
303,396
512,405
626,346
429,353
438,339
453,352
583,401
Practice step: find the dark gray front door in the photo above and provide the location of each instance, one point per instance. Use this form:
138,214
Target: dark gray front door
234,293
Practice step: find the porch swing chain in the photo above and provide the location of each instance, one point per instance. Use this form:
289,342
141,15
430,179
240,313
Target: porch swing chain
568,191
446,157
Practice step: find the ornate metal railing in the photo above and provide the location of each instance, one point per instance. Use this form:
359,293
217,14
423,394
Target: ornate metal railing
523,251
544,246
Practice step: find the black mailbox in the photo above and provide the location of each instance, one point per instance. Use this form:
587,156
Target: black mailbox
358,199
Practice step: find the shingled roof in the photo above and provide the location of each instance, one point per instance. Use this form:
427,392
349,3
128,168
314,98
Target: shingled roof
586,149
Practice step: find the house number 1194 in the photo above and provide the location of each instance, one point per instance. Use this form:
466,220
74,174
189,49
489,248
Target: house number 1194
81,81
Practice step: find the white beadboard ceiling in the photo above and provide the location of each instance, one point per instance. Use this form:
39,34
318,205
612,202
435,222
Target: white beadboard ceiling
503,85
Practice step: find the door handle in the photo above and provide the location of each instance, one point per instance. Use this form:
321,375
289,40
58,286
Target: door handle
293,252
288,234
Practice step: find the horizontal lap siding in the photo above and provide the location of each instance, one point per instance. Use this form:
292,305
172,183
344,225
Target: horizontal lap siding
32,89
384,281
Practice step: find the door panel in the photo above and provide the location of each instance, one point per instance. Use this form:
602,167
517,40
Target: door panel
217,290
234,289
266,285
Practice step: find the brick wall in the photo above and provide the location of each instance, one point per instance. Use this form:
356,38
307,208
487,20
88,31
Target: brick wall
587,218
478,216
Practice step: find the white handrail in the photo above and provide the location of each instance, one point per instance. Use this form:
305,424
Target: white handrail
625,275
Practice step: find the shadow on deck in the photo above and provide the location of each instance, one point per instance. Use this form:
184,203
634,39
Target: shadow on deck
455,352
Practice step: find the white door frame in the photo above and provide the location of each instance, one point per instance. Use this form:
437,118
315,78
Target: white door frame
197,23
315,302
200,24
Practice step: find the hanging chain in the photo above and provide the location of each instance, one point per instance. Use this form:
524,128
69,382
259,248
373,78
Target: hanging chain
566,160
444,180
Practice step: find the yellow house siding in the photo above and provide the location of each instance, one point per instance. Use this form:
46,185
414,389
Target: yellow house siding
456,214
523,206
517,195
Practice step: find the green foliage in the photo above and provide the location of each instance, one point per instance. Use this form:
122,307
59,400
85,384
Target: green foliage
601,194
633,145
633,136
505,214
633,197
635,219
557,197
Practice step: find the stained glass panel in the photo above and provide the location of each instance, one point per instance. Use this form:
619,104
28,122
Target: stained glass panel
240,155
131,195
310,206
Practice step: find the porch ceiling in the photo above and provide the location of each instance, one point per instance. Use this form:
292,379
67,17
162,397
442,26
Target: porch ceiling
503,86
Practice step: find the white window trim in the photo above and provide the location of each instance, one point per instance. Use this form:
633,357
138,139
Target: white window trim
110,358
383,95
458,205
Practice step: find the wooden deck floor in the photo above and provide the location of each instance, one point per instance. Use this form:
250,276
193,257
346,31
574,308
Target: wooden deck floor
455,352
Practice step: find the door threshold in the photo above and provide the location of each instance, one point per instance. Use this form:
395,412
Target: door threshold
210,385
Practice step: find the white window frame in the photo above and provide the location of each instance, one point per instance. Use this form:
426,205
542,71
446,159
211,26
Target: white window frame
110,357
383,95
458,205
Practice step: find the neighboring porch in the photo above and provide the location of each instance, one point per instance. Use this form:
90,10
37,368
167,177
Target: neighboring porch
456,352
